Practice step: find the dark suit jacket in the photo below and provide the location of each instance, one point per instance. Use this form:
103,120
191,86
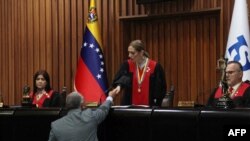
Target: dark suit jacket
79,125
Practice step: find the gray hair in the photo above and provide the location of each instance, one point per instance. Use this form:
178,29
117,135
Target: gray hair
74,100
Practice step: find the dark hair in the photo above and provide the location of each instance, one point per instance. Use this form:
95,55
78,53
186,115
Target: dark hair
236,62
45,74
139,46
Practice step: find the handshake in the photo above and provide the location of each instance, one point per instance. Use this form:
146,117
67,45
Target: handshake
114,92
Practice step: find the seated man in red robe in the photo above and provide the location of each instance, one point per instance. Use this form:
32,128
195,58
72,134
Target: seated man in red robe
238,91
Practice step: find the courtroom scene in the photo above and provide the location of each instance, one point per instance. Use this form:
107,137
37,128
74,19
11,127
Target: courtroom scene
124,70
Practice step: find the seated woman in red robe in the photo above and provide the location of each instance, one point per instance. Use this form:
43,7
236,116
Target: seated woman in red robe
43,95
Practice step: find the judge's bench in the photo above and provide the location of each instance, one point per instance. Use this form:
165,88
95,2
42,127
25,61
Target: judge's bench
130,124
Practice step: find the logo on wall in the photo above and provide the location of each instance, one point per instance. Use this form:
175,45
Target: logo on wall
239,52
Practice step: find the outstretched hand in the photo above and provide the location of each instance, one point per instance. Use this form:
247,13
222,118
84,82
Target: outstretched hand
113,93
117,89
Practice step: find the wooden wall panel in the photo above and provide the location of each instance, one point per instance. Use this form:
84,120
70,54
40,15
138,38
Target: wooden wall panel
30,45
178,45
185,36
1,44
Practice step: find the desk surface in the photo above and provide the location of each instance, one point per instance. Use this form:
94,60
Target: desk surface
123,124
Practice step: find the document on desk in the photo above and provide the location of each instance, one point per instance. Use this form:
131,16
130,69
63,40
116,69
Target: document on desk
121,106
130,106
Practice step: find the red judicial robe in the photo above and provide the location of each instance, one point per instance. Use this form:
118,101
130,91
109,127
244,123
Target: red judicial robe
49,99
241,97
141,87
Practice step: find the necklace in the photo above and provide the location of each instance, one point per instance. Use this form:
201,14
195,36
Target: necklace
40,94
140,78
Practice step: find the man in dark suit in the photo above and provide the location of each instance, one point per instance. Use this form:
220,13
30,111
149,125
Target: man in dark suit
238,91
79,124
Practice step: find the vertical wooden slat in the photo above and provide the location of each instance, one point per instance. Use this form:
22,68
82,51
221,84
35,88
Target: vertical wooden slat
136,8
2,51
67,53
180,57
23,50
42,38
30,42
116,40
48,36
9,41
162,46
131,7
16,49
174,56
105,15
61,45
1,46
111,29
74,46
36,26
199,74
149,42
186,58
193,61
213,54
55,36
167,54
155,40
123,8
109,67
82,12
206,59
6,52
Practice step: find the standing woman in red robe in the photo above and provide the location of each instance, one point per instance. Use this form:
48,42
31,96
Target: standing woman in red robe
142,78
43,95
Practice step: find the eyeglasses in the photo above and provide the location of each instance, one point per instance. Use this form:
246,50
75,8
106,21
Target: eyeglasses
231,72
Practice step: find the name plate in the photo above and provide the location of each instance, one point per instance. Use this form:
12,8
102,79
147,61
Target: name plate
91,104
186,104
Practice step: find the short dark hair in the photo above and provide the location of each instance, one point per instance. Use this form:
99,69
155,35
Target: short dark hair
236,62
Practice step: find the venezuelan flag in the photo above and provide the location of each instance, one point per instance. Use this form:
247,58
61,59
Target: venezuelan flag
91,78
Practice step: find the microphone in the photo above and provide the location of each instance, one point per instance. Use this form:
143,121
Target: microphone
172,88
169,97
224,86
63,96
1,100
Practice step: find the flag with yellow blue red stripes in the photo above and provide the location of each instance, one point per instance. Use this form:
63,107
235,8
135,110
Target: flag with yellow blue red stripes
91,78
